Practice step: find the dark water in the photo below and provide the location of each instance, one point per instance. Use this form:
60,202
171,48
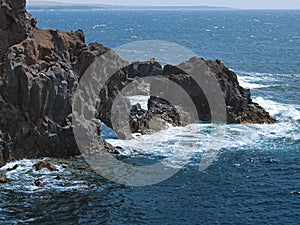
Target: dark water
256,176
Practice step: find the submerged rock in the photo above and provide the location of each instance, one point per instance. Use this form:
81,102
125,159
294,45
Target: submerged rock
44,165
3,179
38,183
13,168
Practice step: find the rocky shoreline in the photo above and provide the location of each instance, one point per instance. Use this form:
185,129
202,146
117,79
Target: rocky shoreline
40,71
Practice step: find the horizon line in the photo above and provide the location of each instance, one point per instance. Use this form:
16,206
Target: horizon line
57,3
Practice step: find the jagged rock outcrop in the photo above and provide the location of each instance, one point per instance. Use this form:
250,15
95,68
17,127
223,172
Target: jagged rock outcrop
40,70
14,26
239,106
144,69
159,115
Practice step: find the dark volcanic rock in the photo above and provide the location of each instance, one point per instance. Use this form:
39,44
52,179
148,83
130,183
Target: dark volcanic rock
41,69
13,168
160,113
189,100
39,73
172,70
239,106
145,123
3,179
144,69
38,183
14,26
44,165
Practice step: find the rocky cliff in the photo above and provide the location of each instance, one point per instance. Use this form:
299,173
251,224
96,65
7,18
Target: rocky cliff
238,105
15,24
40,70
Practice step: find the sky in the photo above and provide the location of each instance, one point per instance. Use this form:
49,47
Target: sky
244,4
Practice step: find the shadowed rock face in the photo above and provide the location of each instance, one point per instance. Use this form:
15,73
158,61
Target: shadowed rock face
238,105
15,24
144,69
40,70
159,115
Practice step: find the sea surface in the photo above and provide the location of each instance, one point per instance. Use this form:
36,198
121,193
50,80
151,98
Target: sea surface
255,177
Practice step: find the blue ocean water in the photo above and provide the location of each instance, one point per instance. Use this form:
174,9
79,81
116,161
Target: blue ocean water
256,176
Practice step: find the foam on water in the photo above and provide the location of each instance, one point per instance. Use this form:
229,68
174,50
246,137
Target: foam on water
141,99
24,176
284,112
256,77
247,82
255,177
270,75
195,138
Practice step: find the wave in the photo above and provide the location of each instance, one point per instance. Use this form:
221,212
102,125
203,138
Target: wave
24,176
254,80
177,145
246,82
141,99
181,142
284,112
262,75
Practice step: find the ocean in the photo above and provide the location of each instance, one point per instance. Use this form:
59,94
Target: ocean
255,177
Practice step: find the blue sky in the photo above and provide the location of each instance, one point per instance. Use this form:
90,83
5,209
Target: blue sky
250,4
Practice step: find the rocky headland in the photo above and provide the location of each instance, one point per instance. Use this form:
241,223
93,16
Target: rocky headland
40,71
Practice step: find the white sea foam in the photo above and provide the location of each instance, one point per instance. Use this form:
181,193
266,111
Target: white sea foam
24,175
253,80
141,99
247,82
183,142
178,144
264,76
284,112
99,25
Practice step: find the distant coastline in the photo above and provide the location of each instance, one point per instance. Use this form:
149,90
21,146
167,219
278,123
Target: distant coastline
45,5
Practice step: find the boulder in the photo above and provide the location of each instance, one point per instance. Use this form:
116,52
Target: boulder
3,179
159,115
44,165
38,183
13,168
